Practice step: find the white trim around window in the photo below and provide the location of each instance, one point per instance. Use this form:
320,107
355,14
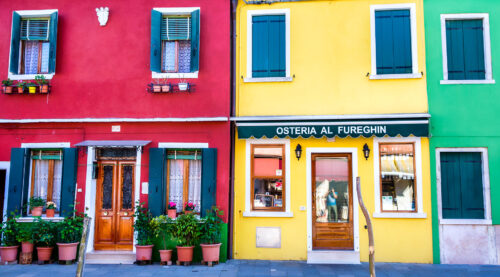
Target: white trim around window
486,187
46,145
414,43
487,48
184,145
250,14
248,159
418,176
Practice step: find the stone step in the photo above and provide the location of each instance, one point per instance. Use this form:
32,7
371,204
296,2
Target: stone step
333,257
110,257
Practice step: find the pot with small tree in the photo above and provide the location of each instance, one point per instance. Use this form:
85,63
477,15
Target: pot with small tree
164,228
68,236
211,236
186,232
189,207
50,209
42,83
9,245
44,238
145,230
172,210
25,237
36,205
20,86
7,86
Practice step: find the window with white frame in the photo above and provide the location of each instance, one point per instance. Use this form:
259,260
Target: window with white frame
466,48
394,41
46,175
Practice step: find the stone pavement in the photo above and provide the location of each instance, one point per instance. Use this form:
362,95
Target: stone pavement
246,268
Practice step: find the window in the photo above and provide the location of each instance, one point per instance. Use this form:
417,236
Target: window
268,50
175,42
46,175
184,178
466,48
267,177
394,45
33,43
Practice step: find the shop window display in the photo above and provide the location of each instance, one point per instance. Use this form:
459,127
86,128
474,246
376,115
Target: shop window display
268,173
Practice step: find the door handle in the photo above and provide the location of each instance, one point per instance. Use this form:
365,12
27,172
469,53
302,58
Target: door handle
125,214
105,213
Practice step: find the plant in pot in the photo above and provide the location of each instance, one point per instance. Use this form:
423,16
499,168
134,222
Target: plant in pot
20,86
43,83
172,210
156,85
50,209
145,230
164,228
31,87
7,86
69,234
9,246
44,238
211,235
186,231
183,84
25,237
165,87
36,205
189,207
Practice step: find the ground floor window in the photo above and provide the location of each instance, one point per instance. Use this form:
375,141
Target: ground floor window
267,177
46,175
184,178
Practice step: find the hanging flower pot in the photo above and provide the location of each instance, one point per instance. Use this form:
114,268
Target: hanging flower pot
44,253
183,86
8,253
7,86
44,88
165,88
67,251
7,89
31,89
26,247
156,88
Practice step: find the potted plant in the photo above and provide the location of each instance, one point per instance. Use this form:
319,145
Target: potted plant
164,228
43,83
172,210
145,230
186,231
189,207
9,246
36,205
44,238
211,235
69,234
156,86
183,84
165,87
7,86
20,86
25,237
31,87
50,209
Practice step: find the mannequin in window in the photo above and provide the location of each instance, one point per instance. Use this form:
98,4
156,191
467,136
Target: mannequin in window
331,204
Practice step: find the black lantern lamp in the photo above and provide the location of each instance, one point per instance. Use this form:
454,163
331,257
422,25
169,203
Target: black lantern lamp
298,151
366,151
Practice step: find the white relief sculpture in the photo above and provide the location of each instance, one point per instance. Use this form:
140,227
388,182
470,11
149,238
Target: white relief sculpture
102,15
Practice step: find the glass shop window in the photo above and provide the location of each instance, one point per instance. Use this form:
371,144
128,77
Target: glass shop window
46,175
184,178
397,175
268,171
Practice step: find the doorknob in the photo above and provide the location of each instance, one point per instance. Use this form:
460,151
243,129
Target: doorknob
125,213
105,213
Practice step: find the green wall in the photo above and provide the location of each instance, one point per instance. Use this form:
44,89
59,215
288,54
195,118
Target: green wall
462,115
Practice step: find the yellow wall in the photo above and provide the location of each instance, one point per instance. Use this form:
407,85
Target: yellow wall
396,240
330,57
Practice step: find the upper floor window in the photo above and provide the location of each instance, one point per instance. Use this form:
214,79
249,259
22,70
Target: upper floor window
33,44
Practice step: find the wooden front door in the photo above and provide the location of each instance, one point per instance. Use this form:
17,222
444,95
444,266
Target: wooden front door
332,206
114,206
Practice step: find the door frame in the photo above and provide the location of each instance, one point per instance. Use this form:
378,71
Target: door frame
5,166
90,192
331,150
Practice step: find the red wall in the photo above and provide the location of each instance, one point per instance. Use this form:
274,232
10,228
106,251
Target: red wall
103,71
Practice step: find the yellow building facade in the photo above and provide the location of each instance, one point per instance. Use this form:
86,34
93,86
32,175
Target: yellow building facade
328,91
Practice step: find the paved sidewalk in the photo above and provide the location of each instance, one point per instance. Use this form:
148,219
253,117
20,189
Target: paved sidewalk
253,268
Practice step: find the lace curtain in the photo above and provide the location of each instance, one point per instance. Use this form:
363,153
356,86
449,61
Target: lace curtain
176,56
42,180
31,57
195,183
176,183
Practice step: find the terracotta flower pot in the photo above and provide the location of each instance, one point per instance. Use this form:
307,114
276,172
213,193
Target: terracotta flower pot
172,213
210,252
44,88
8,253
165,255
165,88
185,253
50,212
36,211
67,251
26,247
20,89
143,252
156,88
188,212
7,89
44,253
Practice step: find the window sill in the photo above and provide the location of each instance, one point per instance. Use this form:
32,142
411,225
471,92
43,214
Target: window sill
267,79
399,215
396,76
29,76
465,222
191,75
466,82
267,214
31,218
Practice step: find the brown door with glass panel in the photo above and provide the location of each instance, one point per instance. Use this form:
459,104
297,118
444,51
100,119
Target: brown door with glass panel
115,206
332,201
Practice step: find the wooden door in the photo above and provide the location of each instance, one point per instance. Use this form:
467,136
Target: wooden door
332,207
115,206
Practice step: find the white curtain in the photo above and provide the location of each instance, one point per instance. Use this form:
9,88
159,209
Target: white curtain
169,56
31,57
41,178
176,183
194,194
56,191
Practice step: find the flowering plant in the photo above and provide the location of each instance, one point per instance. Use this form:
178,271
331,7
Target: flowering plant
189,206
51,205
172,206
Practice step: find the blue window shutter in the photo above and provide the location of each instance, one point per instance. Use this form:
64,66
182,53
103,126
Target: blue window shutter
455,49
277,46
195,41
471,181
155,60
269,46
451,197
208,179
260,46
14,45
68,185
156,191
53,42
474,50
393,42
19,169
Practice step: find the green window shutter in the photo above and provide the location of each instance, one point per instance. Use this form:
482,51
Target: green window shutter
156,191
195,40
393,42
471,181
208,179
451,197
18,171
53,42
455,49
155,61
268,46
14,44
68,184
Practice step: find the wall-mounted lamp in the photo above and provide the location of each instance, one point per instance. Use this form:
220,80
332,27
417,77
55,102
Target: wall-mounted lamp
298,151
366,151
